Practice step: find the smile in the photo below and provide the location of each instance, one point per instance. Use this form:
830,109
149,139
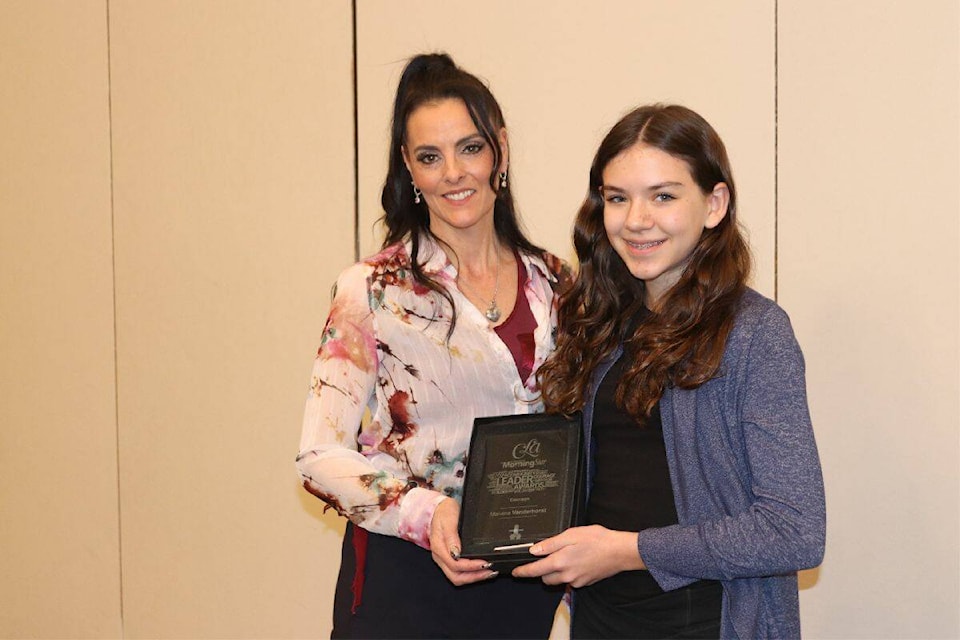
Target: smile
459,195
645,245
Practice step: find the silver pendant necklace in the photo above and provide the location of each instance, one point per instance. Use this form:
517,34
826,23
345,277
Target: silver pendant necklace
492,314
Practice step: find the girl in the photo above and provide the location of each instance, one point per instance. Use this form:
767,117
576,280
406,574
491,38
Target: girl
706,494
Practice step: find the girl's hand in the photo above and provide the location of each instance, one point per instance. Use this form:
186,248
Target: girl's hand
581,556
445,547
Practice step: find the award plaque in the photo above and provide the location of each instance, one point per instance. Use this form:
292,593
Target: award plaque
523,484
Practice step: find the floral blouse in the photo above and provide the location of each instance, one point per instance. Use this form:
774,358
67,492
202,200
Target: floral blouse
385,348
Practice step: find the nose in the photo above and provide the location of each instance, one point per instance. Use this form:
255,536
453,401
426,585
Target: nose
454,172
638,216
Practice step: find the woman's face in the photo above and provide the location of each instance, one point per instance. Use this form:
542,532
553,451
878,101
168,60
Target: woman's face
654,214
451,164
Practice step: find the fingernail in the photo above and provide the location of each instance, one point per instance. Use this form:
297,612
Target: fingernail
536,549
493,574
455,553
488,565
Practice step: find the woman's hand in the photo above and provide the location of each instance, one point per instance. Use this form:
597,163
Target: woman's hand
445,547
581,556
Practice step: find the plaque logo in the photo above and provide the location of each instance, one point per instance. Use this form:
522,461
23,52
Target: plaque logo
515,532
529,449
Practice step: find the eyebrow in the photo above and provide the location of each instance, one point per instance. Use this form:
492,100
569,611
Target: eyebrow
663,185
653,187
463,140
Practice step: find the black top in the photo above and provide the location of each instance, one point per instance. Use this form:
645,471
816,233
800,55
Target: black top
631,489
631,492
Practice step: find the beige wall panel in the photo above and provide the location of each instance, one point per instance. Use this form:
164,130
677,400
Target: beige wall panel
869,154
234,212
58,451
564,71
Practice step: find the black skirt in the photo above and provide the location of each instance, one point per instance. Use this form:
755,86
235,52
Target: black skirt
404,594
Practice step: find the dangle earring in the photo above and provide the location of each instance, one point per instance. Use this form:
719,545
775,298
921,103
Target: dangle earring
503,179
416,193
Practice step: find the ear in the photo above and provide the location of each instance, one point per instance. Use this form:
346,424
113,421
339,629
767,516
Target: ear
717,203
504,150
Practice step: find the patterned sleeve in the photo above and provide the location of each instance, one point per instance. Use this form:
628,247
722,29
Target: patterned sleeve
342,384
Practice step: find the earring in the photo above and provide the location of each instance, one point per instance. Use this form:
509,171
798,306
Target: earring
503,179
416,194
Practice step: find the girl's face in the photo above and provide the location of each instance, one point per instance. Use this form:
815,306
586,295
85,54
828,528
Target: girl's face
654,214
451,164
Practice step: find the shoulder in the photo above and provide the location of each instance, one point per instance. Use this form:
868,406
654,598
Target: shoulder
394,256
356,280
556,270
761,325
393,260
756,312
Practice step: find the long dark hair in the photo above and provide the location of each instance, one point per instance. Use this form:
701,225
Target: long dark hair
429,78
682,344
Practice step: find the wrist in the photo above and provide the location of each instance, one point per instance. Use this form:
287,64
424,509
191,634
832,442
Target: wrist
416,515
629,546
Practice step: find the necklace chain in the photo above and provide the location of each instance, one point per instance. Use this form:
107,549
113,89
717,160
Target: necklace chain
492,314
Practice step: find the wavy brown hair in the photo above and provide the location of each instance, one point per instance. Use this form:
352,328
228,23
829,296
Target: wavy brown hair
682,343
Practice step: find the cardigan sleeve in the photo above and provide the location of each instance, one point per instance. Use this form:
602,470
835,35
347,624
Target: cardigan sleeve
770,518
342,384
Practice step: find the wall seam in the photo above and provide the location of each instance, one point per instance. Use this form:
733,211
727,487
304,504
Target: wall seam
356,139
776,151
116,363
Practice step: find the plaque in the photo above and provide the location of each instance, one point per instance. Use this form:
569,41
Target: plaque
524,483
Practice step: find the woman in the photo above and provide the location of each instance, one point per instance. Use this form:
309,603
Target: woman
706,492
448,322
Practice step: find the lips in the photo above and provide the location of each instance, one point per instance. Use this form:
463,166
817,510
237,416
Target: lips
642,246
458,196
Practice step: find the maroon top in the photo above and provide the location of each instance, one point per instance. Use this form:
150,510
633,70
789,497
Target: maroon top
517,330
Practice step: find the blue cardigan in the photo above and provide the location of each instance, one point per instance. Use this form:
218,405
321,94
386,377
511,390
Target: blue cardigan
746,478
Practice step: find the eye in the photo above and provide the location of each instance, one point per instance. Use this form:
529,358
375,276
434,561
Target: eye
428,158
663,197
473,148
615,198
